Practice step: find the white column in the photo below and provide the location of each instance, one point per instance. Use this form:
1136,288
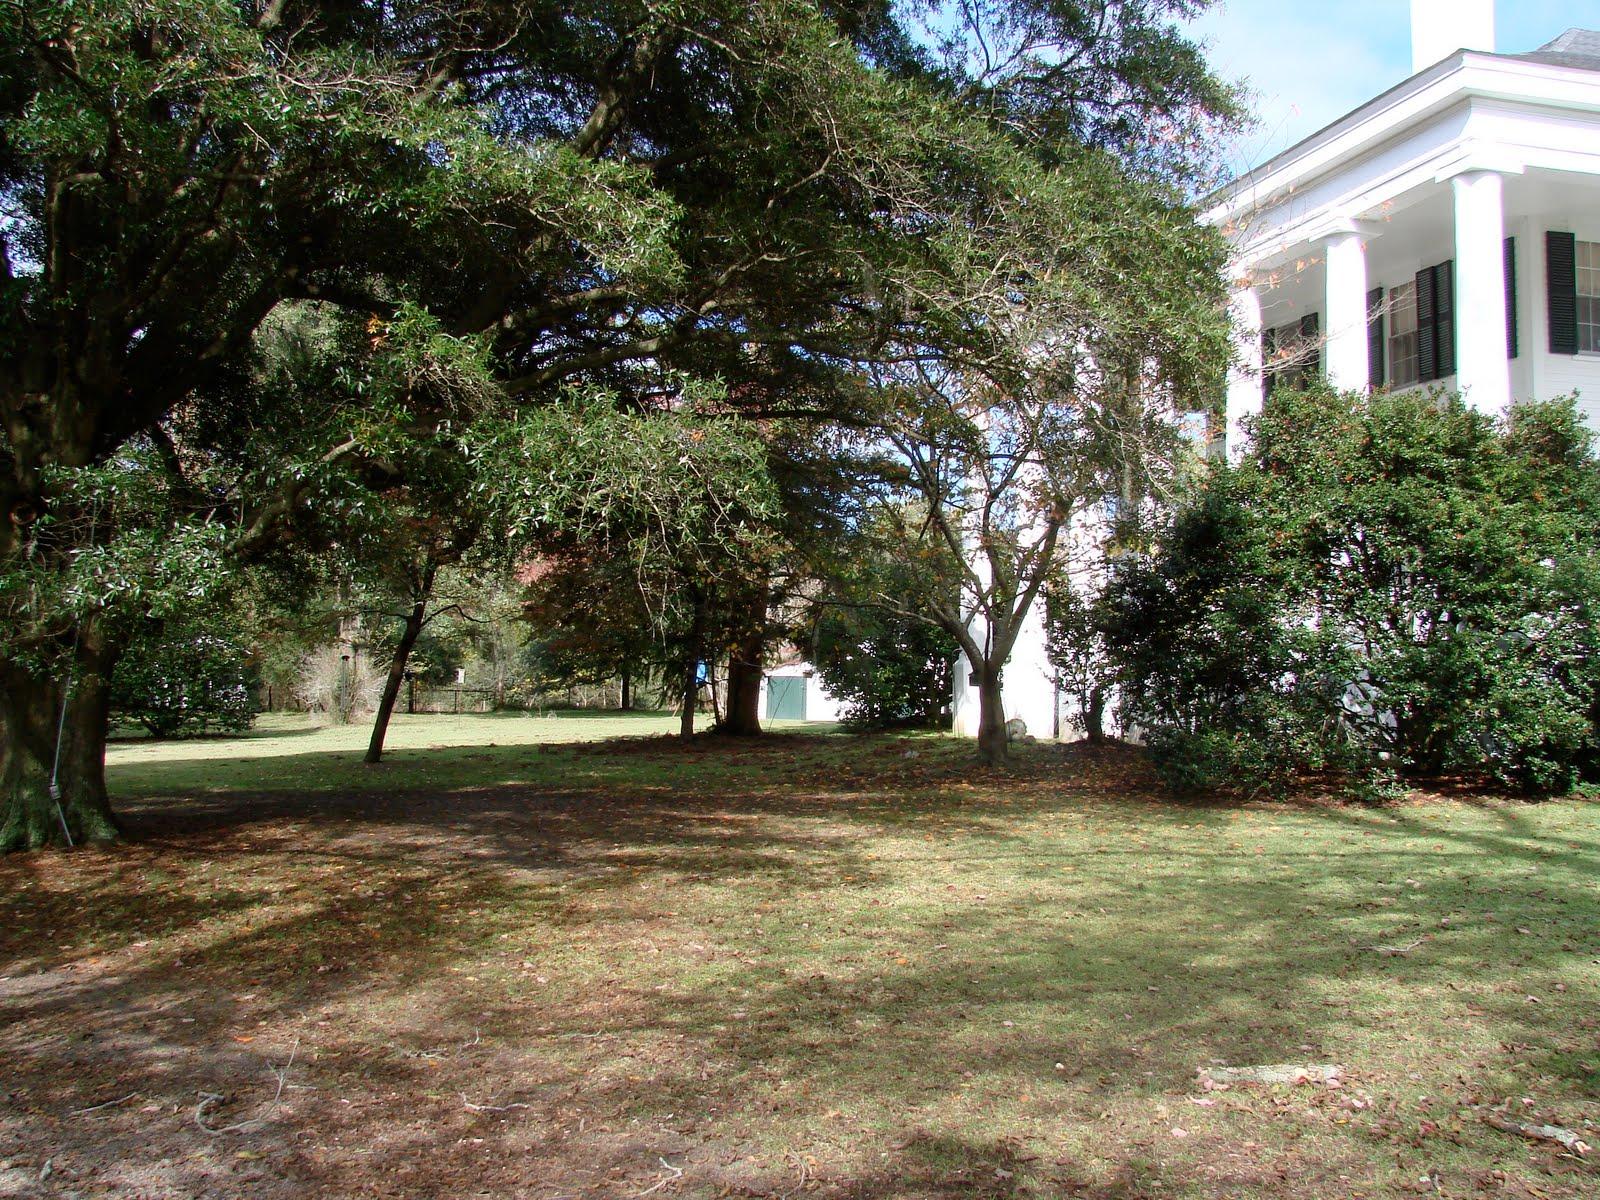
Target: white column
1244,375
965,702
1482,371
964,699
1346,310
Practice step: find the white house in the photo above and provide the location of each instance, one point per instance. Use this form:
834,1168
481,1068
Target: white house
1447,232
1028,684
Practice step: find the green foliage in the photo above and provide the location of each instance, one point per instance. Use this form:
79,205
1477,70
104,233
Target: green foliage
1387,583
461,217
682,485
653,532
590,620
888,670
139,556
1075,632
872,635
1209,759
183,678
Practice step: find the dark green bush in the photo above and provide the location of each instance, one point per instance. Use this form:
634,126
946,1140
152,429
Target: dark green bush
886,670
1393,583
185,681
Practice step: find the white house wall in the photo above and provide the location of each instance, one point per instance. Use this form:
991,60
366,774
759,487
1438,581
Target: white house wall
1386,178
820,703
1562,374
1424,237
1405,137
1385,173
1027,686
1501,145
1029,680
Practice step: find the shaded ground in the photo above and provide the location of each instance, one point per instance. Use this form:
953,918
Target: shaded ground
818,966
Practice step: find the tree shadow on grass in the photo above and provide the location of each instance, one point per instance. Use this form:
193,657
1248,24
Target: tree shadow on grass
1520,836
496,947
129,735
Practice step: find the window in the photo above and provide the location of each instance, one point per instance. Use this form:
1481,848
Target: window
1588,281
1403,362
1291,355
1561,289
1511,296
1377,342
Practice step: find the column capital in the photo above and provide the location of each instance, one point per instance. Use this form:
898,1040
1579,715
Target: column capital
1477,159
1339,228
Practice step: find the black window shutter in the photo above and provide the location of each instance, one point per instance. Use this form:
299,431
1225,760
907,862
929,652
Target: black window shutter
1444,318
1269,367
1561,276
1310,354
1427,337
1375,325
1511,297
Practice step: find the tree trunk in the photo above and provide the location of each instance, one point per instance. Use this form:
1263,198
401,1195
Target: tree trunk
1094,716
992,742
690,688
78,809
691,660
397,674
744,678
625,693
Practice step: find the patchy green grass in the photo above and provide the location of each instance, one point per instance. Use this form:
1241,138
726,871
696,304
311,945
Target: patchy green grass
294,752
514,963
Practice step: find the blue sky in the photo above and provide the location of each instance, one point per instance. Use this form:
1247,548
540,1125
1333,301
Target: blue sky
1309,64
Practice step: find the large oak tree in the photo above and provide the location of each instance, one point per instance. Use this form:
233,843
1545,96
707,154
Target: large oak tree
773,192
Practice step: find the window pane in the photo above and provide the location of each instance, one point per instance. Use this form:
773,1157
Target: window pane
1403,335
1588,297
1588,323
1292,358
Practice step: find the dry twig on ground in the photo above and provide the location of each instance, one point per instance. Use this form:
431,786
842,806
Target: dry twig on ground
1539,1133
208,1099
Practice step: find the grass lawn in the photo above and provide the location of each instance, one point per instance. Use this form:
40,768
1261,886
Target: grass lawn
540,957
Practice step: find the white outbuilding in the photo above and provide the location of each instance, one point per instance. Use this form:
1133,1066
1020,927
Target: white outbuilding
794,691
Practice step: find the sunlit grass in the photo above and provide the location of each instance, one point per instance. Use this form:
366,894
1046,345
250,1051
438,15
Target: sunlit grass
293,751
827,965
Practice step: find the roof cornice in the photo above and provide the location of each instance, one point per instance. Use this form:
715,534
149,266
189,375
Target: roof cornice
1462,76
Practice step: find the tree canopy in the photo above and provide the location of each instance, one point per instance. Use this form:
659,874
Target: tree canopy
773,195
